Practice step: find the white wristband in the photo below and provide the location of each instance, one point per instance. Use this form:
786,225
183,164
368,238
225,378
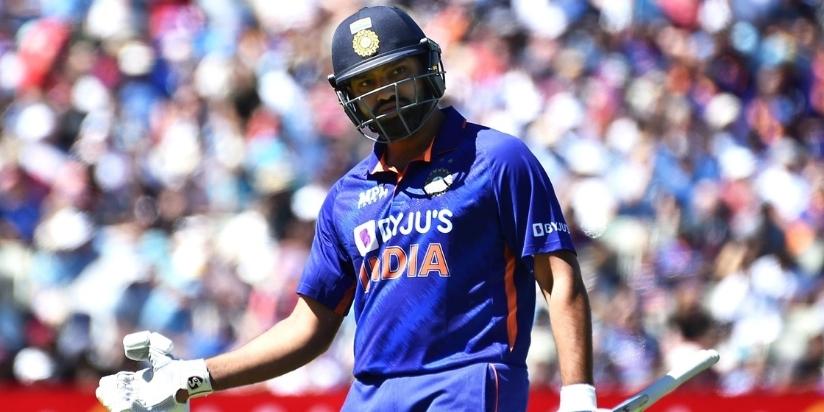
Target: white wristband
578,397
195,376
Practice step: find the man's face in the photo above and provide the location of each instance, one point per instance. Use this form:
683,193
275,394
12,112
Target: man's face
380,98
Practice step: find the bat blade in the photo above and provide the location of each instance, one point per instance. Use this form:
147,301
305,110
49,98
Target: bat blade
685,371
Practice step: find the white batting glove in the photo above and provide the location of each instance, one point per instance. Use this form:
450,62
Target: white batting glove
579,397
166,386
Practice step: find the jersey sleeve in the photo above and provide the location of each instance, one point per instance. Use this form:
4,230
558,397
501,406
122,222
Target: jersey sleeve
531,217
328,276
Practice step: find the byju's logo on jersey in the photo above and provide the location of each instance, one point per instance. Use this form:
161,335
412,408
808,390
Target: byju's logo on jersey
367,197
541,229
365,238
366,234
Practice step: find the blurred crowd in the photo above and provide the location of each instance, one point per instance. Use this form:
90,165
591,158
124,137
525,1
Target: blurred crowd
162,163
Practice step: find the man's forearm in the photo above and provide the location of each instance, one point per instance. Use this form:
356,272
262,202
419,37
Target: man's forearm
288,345
572,326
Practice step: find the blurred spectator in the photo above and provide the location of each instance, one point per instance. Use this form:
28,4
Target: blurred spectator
162,163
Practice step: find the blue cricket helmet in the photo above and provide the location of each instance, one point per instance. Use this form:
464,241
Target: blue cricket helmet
375,36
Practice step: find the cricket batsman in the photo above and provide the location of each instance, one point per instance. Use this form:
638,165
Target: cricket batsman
434,241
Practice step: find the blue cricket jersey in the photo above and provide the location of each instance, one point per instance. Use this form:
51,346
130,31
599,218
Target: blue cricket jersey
437,258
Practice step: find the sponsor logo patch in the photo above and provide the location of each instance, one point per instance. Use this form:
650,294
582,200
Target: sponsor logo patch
543,229
365,238
194,382
401,224
367,197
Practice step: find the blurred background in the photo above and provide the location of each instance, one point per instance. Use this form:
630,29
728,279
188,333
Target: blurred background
162,164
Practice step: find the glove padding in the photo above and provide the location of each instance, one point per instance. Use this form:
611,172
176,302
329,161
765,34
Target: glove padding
165,386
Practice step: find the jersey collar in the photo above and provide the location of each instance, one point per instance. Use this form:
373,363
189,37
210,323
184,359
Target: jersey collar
448,138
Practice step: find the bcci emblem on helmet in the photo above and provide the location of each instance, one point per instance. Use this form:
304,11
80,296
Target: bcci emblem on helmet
365,43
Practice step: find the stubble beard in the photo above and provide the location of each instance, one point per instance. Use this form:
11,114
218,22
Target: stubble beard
392,127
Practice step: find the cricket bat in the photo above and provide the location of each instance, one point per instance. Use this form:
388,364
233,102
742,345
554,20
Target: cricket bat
697,363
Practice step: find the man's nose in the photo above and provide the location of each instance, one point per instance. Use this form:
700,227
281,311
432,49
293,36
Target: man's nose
386,90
